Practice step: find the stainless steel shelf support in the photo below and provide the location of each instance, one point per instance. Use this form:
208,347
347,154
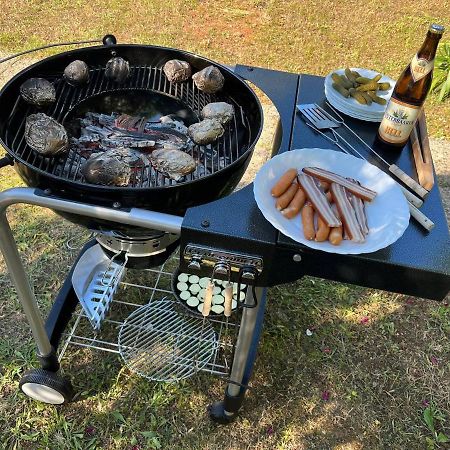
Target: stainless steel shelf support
8,246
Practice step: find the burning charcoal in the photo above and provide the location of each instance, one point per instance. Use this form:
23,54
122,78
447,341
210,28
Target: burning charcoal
38,91
111,168
176,124
117,69
209,80
206,131
45,135
76,73
221,111
172,162
177,71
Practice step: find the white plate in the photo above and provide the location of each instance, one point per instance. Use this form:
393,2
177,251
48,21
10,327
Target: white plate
352,114
387,214
341,101
350,105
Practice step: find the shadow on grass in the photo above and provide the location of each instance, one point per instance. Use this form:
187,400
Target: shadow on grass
358,381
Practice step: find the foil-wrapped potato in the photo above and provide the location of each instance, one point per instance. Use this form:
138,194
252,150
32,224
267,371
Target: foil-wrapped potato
76,73
206,131
177,70
209,80
221,111
38,92
45,135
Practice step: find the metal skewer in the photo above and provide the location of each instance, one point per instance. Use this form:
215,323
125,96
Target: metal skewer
393,168
421,218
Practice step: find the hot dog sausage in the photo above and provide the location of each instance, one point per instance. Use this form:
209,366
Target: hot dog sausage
323,230
296,204
308,221
284,182
286,198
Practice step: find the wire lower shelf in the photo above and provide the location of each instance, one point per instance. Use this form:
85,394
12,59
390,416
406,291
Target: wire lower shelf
159,338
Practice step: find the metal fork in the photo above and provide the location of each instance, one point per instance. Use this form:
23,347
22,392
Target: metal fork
318,117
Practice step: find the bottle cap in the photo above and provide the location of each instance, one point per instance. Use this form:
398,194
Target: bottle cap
437,29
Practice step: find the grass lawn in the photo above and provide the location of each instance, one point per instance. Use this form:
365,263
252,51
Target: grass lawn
374,362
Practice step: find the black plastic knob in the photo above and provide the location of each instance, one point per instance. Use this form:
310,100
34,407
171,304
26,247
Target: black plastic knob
109,39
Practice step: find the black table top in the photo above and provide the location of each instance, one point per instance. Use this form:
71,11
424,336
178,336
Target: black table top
418,263
416,248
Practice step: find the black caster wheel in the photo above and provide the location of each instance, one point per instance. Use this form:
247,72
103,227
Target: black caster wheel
217,414
46,386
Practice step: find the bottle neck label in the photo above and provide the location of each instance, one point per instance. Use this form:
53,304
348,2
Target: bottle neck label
420,67
398,121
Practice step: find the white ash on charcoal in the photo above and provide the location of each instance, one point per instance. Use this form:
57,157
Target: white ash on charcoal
206,131
221,111
177,71
209,80
45,135
117,69
38,92
76,73
114,167
101,132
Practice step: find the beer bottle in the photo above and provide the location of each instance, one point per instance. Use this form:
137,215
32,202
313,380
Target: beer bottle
409,93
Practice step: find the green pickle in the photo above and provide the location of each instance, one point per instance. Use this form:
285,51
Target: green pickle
350,76
384,86
372,86
363,80
344,92
357,96
337,79
367,98
376,99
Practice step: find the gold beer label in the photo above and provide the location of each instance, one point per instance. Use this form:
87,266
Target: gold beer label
420,67
398,121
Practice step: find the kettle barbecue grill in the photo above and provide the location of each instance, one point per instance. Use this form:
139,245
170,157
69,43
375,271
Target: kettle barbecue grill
220,234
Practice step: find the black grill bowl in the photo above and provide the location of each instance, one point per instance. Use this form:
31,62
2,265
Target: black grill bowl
175,198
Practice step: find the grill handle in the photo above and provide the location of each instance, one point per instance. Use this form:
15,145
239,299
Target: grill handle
109,39
6,161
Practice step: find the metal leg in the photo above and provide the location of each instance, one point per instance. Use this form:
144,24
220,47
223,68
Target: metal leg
21,282
244,358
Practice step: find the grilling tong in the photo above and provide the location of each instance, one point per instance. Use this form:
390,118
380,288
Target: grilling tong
318,119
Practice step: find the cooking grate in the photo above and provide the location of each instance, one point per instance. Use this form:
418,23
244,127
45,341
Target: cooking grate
160,344
211,158
134,294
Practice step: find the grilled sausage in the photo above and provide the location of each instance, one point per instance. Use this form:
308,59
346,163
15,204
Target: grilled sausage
323,230
325,175
287,197
308,221
296,204
335,237
284,182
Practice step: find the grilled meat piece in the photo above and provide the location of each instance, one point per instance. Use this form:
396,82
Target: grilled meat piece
76,73
111,168
45,135
177,71
172,162
38,92
206,131
209,80
221,111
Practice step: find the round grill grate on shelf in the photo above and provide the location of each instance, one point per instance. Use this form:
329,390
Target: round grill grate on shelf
160,344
